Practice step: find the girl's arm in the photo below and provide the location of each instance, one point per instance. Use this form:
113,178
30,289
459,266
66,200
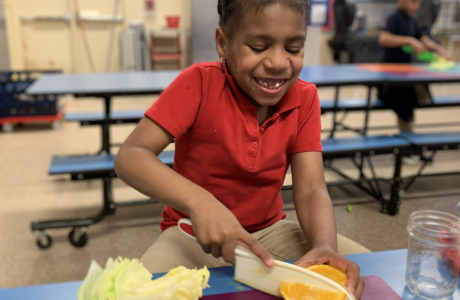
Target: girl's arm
312,201
137,165
217,229
433,46
389,40
316,217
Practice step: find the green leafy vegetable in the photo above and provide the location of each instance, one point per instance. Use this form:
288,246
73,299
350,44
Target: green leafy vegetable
123,279
94,272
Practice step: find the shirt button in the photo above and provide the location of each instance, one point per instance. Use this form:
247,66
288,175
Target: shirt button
262,130
254,144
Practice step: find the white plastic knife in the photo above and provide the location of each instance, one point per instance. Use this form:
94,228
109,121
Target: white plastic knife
250,270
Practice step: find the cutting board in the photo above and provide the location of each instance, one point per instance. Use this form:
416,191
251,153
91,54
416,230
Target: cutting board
376,289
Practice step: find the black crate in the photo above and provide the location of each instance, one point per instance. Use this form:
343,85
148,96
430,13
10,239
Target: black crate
14,102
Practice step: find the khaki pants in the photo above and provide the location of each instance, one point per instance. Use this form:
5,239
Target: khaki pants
284,240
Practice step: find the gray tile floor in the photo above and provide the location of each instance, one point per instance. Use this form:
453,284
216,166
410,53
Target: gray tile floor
27,193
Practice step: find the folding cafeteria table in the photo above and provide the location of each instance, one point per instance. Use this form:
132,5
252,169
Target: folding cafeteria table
109,85
384,273
374,75
105,86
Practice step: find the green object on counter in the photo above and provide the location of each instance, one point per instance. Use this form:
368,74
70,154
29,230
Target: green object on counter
349,208
426,56
407,49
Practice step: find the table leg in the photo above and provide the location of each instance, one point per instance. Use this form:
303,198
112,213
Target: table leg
334,117
106,127
395,197
368,108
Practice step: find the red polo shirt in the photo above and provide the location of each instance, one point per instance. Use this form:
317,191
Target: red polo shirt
221,147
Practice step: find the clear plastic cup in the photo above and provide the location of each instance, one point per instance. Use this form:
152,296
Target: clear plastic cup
433,256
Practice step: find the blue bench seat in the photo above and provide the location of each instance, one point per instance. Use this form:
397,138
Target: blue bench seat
447,100
364,145
433,141
101,164
81,164
351,105
344,147
97,118
376,104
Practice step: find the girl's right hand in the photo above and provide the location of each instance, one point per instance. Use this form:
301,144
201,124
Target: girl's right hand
418,46
218,232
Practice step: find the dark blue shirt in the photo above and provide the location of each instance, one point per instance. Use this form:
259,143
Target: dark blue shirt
400,23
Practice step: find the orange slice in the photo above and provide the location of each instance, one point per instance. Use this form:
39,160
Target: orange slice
301,291
331,273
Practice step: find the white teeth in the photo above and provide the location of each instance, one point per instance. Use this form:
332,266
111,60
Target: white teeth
265,84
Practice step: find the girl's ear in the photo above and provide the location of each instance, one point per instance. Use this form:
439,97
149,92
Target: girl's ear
221,43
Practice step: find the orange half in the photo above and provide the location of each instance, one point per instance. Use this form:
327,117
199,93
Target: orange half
331,273
301,291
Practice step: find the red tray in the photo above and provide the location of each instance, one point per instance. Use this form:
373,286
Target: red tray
376,289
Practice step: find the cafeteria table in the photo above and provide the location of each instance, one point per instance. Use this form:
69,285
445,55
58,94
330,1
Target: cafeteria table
387,265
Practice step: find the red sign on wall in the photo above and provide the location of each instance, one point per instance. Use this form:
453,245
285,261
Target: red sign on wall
149,7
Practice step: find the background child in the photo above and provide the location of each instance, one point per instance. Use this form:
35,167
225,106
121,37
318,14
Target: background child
402,30
239,124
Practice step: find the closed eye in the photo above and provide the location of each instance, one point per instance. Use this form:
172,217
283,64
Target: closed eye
257,49
292,51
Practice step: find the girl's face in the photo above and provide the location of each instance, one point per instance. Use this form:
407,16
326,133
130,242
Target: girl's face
410,6
265,55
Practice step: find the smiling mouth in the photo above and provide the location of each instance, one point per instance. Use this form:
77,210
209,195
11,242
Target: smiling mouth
271,84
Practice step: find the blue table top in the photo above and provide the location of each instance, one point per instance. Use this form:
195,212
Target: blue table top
389,265
351,74
104,83
156,81
340,75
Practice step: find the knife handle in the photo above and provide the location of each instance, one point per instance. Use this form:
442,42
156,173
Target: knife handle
185,225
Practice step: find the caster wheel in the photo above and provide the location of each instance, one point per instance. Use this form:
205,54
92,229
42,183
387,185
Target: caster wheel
78,237
7,127
392,210
55,125
44,241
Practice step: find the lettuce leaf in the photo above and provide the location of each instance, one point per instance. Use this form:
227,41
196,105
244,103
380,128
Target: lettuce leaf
124,279
187,285
104,287
84,292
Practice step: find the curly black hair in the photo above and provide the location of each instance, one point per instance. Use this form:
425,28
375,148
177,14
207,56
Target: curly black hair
231,12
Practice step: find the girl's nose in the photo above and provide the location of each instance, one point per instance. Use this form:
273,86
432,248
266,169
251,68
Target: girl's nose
277,60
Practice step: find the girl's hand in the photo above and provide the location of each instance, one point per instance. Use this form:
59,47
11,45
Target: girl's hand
443,53
218,232
418,46
325,255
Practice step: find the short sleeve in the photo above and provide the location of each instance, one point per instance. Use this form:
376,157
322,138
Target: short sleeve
309,133
177,107
392,25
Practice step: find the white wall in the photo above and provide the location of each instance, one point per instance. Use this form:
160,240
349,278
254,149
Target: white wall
4,54
51,45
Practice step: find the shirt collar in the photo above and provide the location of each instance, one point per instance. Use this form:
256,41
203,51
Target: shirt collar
403,13
289,101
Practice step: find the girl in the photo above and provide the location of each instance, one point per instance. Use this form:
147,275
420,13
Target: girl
238,125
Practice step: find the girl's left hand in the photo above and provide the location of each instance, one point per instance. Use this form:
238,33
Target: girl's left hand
325,255
443,53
